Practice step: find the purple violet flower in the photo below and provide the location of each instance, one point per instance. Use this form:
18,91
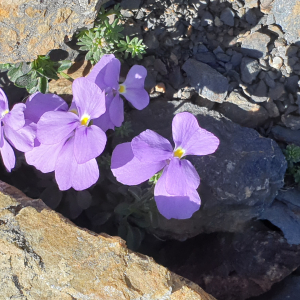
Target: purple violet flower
68,142
175,193
106,75
14,131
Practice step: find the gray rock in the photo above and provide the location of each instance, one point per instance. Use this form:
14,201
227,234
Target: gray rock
284,213
291,84
160,67
203,102
236,59
151,41
176,78
286,14
259,92
207,19
276,92
237,182
227,16
130,4
291,121
238,109
271,108
223,57
251,17
255,45
269,81
286,135
208,82
207,58
249,69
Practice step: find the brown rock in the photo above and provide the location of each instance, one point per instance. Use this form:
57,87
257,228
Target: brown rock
44,256
63,86
238,109
31,28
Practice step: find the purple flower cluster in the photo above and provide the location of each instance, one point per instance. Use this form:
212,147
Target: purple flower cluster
148,153
67,140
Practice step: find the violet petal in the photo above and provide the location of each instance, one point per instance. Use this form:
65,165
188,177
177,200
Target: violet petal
175,206
149,146
188,135
88,97
89,143
38,103
116,111
181,177
15,118
128,169
55,126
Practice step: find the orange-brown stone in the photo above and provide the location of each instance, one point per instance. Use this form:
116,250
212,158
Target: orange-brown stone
46,257
30,28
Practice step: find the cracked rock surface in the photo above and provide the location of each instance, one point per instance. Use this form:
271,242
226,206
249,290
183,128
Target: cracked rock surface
45,256
31,27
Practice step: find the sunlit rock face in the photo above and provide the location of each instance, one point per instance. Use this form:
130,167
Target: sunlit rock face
45,256
286,14
32,27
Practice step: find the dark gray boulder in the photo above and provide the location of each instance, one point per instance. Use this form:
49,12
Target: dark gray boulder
208,82
235,266
238,181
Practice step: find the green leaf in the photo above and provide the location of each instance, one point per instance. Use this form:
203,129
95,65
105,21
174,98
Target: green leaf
153,217
140,221
48,72
5,67
23,81
123,209
43,85
15,73
101,218
134,237
122,229
64,65
32,87
136,192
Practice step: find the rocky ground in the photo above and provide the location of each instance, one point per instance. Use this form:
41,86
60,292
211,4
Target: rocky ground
240,59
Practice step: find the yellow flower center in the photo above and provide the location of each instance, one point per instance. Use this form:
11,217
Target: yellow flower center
5,113
179,152
122,88
74,111
85,120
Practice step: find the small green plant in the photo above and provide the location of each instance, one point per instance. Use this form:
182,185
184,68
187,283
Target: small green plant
124,130
106,38
135,215
34,76
292,155
135,47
